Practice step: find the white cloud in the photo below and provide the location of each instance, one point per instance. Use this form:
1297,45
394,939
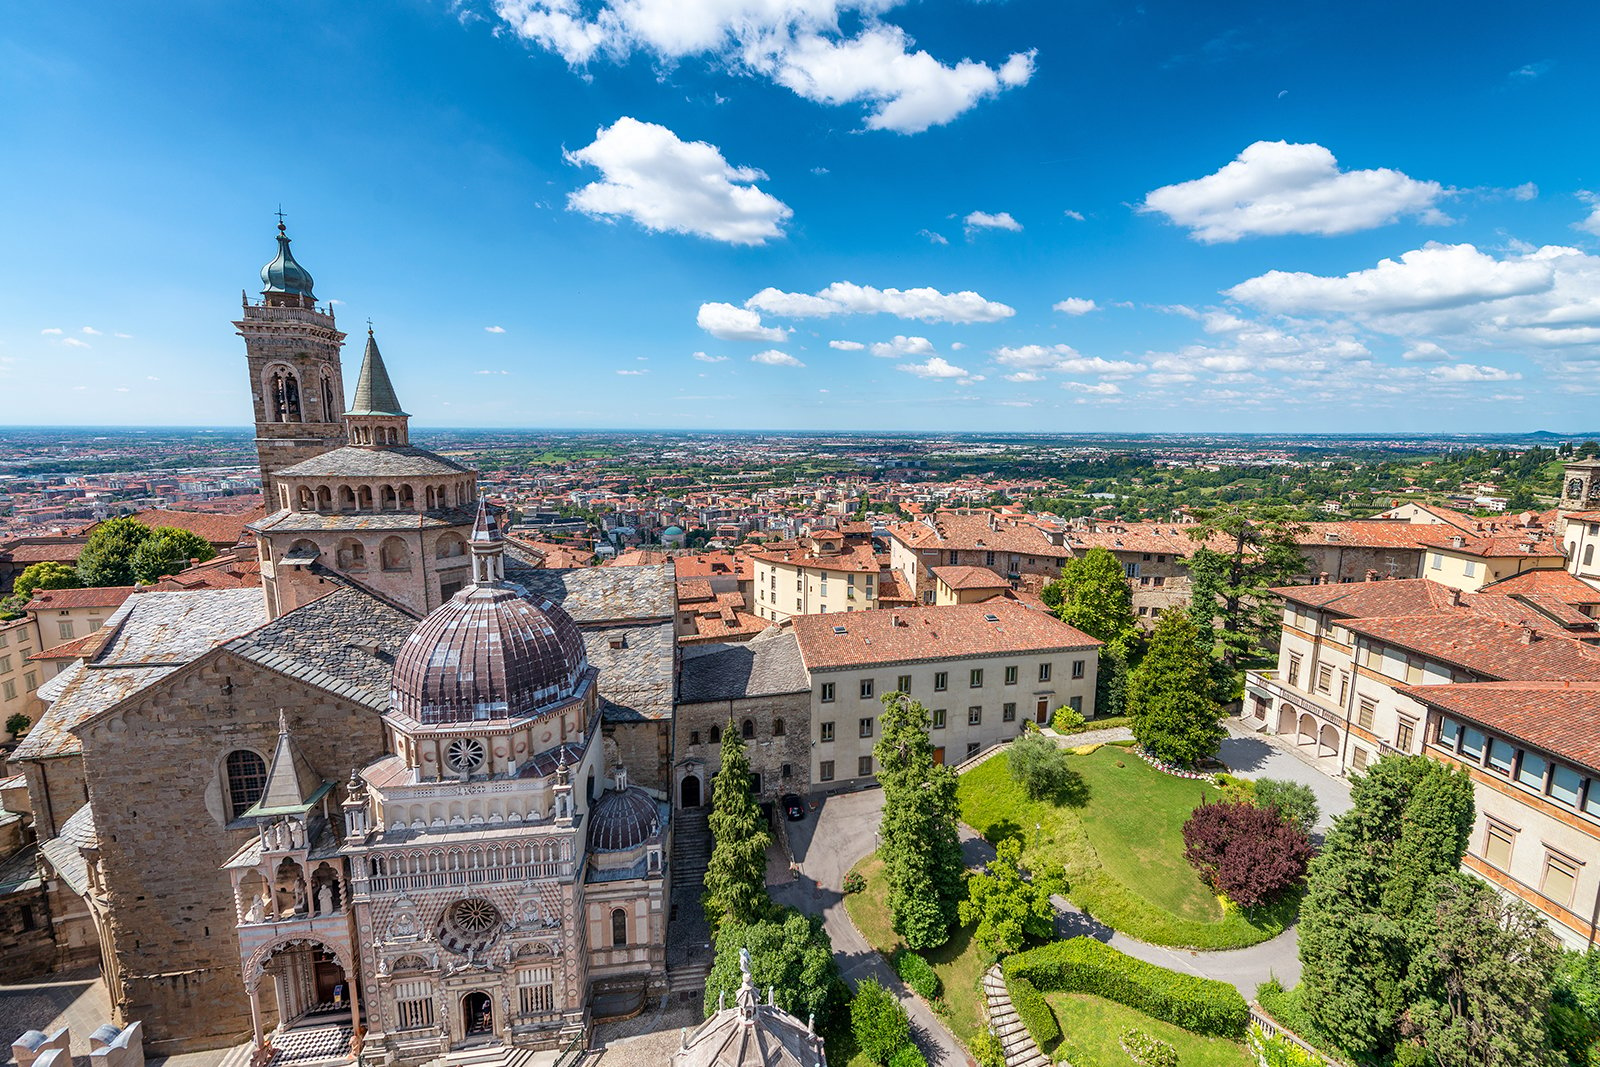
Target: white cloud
847,346
773,358
1525,191
1424,352
491,372
847,298
934,238
1024,376
1075,216
1074,305
934,367
673,186
1275,188
124,336
1063,359
55,330
902,345
796,43
1473,372
703,358
956,346
983,220
726,322
494,329
1591,224
633,373
1098,389
91,331
73,342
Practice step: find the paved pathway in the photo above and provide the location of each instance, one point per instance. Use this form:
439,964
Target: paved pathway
1253,755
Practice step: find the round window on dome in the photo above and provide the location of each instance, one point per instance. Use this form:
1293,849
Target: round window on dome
464,755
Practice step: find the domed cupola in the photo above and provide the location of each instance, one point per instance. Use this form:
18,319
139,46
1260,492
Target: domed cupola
623,818
491,651
284,280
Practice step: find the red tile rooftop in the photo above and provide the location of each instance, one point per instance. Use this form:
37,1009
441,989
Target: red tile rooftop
1562,718
898,635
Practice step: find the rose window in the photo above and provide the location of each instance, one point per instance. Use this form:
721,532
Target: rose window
465,754
474,916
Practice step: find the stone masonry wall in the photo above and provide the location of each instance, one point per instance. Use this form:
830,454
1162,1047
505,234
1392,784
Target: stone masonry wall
694,752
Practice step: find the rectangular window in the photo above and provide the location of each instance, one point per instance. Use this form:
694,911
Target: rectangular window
1044,672
65,630
941,682
10,689
866,689
827,692
538,990
1501,756
1358,758
1591,797
1497,842
1076,704
1324,679
1011,675
938,718
1470,568
414,1004
1532,770
972,749
1564,785
903,683
864,766
866,727
5,664
1436,562
786,772
825,770
1077,670
1404,733
1294,671
1008,712
975,678
30,681
1365,712
1472,742
975,716
1414,674
1449,733
827,731
1560,878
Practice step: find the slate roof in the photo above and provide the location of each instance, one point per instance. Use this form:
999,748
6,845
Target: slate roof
19,872
1562,718
62,850
398,461
767,665
374,391
593,595
149,637
906,635
635,677
619,821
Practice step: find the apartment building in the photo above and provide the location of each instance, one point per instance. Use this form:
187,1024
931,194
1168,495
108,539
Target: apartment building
819,573
63,615
981,669
1581,541
1007,546
19,676
1472,561
1418,667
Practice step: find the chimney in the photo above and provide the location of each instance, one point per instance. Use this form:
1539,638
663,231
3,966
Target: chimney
1458,541
1455,597
1528,636
1372,576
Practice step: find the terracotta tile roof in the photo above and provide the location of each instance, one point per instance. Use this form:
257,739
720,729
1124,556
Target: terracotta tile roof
694,590
1549,582
1493,650
859,559
29,550
105,596
984,531
1498,545
221,530
224,572
78,649
1157,538
970,578
714,565
1562,718
892,590
1365,600
901,635
1364,533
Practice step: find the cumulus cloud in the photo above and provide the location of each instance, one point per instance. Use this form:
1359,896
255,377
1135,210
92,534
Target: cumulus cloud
1075,216
847,346
934,367
633,373
1591,224
847,298
1424,352
703,358
1062,359
903,346
494,329
983,220
73,342
669,185
773,358
726,322
53,330
91,331
1276,188
1098,389
1074,305
1024,376
1472,372
795,43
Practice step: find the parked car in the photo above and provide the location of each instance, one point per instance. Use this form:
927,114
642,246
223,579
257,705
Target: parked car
793,807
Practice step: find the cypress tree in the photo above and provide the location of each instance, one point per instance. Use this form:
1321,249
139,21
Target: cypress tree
736,876
1169,694
920,845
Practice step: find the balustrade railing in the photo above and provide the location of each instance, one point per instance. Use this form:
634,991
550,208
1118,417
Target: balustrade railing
388,883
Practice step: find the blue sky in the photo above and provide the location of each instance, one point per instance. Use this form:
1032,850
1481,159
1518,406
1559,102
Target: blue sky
817,214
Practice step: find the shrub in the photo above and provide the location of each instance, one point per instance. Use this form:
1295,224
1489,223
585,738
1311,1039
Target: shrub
878,1021
1249,854
854,882
17,723
1034,1011
1068,720
1039,766
908,1056
1278,1052
1296,803
1237,790
1104,722
987,1050
1148,1050
917,973
1084,965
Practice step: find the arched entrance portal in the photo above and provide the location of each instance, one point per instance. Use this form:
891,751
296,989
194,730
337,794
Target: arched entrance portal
689,792
310,979
477,1014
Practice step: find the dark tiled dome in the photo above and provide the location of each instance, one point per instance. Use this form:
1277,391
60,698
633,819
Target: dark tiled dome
490,652
623,819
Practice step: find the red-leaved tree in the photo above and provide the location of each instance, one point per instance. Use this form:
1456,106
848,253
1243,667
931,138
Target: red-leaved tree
1248,854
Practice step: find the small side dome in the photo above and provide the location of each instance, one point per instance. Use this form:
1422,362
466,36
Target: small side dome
623,819
284,274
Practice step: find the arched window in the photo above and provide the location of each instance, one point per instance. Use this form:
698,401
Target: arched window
304,499
364,498
716,735
247,778
324,498
283,395
388,498
347,498
1588,555
352,555
408,499
330,406
747,729
619,927
291,398
392,435
394,555
777,727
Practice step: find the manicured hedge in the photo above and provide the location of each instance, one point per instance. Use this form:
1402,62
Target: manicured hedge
1084,965
917,973
1034,1011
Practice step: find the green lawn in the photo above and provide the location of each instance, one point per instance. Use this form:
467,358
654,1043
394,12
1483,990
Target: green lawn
1119,834
958,962
1091,1029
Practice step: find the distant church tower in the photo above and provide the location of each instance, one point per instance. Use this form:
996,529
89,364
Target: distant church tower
292,348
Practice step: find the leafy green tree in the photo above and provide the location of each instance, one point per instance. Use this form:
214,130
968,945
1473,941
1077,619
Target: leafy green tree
168,550
1480,981
1039,765
790,954
1296,803
1111,682
736,876
107,557
920,845
47,575
879,1023
1093,595
1008,908
1228,587
17,723
1355,946
1169,694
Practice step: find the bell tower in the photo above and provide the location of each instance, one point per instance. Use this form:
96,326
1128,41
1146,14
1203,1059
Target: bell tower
292,351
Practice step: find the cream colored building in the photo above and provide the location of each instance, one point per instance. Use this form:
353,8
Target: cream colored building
982,670
63,615
966,585
816,575
18,677
1468,562
1581,541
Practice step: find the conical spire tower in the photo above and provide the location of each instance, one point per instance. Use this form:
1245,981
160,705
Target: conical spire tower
488,547
375,418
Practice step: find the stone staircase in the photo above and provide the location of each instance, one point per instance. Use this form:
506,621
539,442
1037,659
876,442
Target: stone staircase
491,1054
688,961
1007,1026
691,849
